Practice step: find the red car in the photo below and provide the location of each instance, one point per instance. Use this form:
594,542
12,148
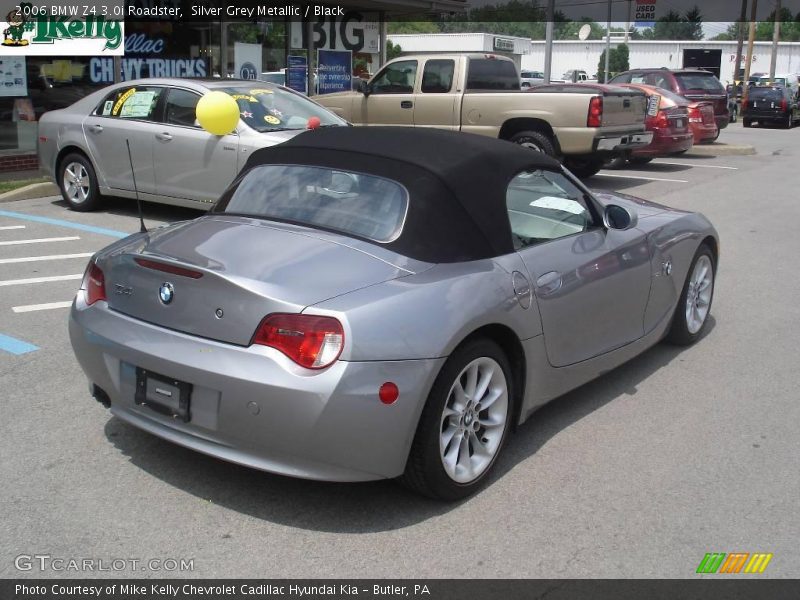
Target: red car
669,118
702,122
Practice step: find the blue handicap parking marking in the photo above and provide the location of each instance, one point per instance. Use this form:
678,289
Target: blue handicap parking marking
15,346
62,223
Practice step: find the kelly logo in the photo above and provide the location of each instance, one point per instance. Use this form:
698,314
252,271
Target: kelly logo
736,562
34,31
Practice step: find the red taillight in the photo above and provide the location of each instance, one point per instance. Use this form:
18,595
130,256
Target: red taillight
595,117
167,268
94,282
662,122
311,341
784,105
694,115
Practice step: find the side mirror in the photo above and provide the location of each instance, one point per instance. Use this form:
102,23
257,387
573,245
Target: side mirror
618,217
363,87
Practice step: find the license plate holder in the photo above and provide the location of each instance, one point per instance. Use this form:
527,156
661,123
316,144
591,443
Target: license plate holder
163,394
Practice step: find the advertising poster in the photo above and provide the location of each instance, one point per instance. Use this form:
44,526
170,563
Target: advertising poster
247,60
335,71
13,77
296,73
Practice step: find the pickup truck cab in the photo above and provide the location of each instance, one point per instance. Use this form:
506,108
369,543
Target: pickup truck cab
480,94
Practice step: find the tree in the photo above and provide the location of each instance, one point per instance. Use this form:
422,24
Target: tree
392,50
618,61
673,26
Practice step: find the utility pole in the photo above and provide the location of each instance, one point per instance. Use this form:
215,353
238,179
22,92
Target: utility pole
737,70
608,42
548,40
751,38
628,23
776,36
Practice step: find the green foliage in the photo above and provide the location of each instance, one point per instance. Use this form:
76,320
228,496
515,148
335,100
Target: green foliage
790,28
413,27
673,26
618,61
392,50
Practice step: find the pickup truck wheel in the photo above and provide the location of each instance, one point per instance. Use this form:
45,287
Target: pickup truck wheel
583,167
540,142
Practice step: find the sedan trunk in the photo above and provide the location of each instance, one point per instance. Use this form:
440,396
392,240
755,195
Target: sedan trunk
226,273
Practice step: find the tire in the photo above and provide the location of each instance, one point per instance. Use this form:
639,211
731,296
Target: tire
618,162
689,313
789,122
426,471
583,167
540,142
78,183
640,160
734,114
746,123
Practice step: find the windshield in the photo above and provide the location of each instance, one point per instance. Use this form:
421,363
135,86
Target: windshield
361,205
266,108
705,82
766,93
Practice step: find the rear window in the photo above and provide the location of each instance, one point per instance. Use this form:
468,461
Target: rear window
492,74
705,82
765,93
352,203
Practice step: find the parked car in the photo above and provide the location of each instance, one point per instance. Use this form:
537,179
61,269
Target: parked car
530,78
692,84
788,80
668,119
775,104
702,122
368,303
83,148
575,76
480,93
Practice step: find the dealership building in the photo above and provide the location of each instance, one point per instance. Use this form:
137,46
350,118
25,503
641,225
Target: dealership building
32,85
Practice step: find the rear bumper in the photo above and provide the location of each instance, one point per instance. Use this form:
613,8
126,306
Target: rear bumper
765,115
619,143
703,133
664,144
252,405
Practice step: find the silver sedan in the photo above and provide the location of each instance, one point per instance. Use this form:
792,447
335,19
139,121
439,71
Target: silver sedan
84,147
367,303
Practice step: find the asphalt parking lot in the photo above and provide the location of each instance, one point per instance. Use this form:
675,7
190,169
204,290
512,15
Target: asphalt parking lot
638,474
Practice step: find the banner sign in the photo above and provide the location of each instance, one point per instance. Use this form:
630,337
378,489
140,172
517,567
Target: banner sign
297,74
350,32
247,60
101,70
42,30
645,13
335,71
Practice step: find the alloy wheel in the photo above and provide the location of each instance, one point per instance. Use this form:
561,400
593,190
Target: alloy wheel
473,420
698,296
76,182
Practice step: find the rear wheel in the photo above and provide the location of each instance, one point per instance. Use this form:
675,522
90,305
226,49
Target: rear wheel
78,183
464,424
535,140
583,167
640,160
746,123
787,124
694,305
734,114
618,162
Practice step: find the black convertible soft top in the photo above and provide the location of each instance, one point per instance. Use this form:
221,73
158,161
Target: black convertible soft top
456,182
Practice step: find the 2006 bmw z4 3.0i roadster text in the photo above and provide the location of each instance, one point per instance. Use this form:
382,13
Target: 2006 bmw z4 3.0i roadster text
367,303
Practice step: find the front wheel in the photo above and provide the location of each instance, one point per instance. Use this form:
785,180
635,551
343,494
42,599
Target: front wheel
464,424
535,140
583,167
694,305
78,183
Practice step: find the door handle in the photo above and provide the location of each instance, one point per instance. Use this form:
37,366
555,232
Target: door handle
164,137
96,128
548,283
406,104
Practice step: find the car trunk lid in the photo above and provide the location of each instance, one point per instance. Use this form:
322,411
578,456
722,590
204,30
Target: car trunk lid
226,273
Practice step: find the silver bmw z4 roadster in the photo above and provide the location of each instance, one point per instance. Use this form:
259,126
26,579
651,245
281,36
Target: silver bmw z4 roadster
367,303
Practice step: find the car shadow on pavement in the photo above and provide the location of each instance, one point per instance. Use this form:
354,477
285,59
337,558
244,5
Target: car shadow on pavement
126,207
372,506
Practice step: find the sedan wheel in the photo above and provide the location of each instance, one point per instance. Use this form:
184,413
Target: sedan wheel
464,423
79,183
694,306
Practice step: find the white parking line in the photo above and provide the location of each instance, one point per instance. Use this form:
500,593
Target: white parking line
71,238
34,307
7,227
8,261
642,178
40,279
694,165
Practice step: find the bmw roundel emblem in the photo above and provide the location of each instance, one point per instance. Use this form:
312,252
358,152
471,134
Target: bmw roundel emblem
166,292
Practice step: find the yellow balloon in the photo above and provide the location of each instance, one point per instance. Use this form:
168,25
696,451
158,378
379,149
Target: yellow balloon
217,113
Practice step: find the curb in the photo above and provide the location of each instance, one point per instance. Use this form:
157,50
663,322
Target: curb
718,149
34,190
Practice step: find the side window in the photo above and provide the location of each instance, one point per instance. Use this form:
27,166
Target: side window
138,103
662,82
492,74
181,108
396,78
624,78
543,206
637,78
437,77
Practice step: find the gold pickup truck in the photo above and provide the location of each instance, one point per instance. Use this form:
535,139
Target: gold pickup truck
583,124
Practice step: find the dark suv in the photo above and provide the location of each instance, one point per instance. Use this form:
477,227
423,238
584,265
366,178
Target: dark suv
692,84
